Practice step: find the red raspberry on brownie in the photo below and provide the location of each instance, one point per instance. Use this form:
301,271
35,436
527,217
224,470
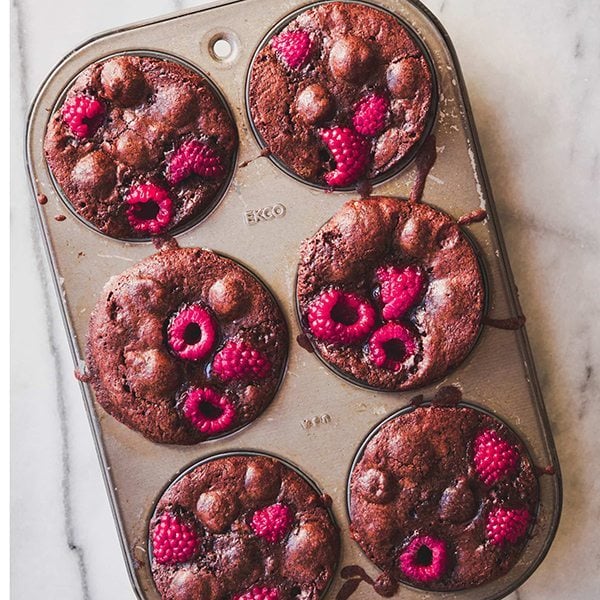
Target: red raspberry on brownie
150,208
173,541
259,593
293,48
370,114
208,411
194,157
272,522
192,333
507,525
494,457
340,318
401,289
425,559
350,152
239,360
391,345
84,115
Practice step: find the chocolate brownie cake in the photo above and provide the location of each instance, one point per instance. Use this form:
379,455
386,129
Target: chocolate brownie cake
185,345
141,146
342,93
443,498
390,293
242,527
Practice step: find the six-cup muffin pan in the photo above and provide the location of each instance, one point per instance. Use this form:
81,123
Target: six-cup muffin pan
318,420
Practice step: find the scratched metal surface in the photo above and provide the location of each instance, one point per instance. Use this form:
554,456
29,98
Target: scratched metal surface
318,420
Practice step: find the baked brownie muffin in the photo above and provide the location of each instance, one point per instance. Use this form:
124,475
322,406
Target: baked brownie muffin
343,92
443,498
390,293
243,527
141,146
185,345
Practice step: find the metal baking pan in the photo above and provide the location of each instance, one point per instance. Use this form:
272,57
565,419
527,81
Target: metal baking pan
318,420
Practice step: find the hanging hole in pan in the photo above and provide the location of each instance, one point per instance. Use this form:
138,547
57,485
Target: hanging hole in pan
224,47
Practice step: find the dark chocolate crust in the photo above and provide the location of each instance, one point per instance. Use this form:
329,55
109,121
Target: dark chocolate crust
365,234
139,381
219,498
277,109
416,477
152,105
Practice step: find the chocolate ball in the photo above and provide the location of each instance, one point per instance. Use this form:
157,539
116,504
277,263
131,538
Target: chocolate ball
376,486
351,59
151,372
458,504
122,82
228,297
414,237
260,483
216,511
387,147
189,585
314,104
309,539
403,76
236,559
134,150
95,174
176,104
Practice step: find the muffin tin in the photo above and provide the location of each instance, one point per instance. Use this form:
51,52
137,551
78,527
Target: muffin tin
318,420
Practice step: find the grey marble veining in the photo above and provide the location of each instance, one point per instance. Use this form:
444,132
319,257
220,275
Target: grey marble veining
532,74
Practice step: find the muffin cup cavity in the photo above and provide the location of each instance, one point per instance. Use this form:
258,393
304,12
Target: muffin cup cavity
505,518
393,341
373,145
203,358
139,204
274,508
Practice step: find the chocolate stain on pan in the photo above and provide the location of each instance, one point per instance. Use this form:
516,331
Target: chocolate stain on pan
165,242
304,343
423,164
475,216
355,575
42,199
510,324
264,153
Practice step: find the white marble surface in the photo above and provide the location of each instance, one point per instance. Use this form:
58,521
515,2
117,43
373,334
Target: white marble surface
532,73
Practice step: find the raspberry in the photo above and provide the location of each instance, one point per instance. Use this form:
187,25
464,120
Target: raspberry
259,593
401,288
350,152
84,115
425,559
494,457
272,522
150,208
239,360
191,332
173,541
194,157
391,345
340,318
507,525
293,47
370,114
208,411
